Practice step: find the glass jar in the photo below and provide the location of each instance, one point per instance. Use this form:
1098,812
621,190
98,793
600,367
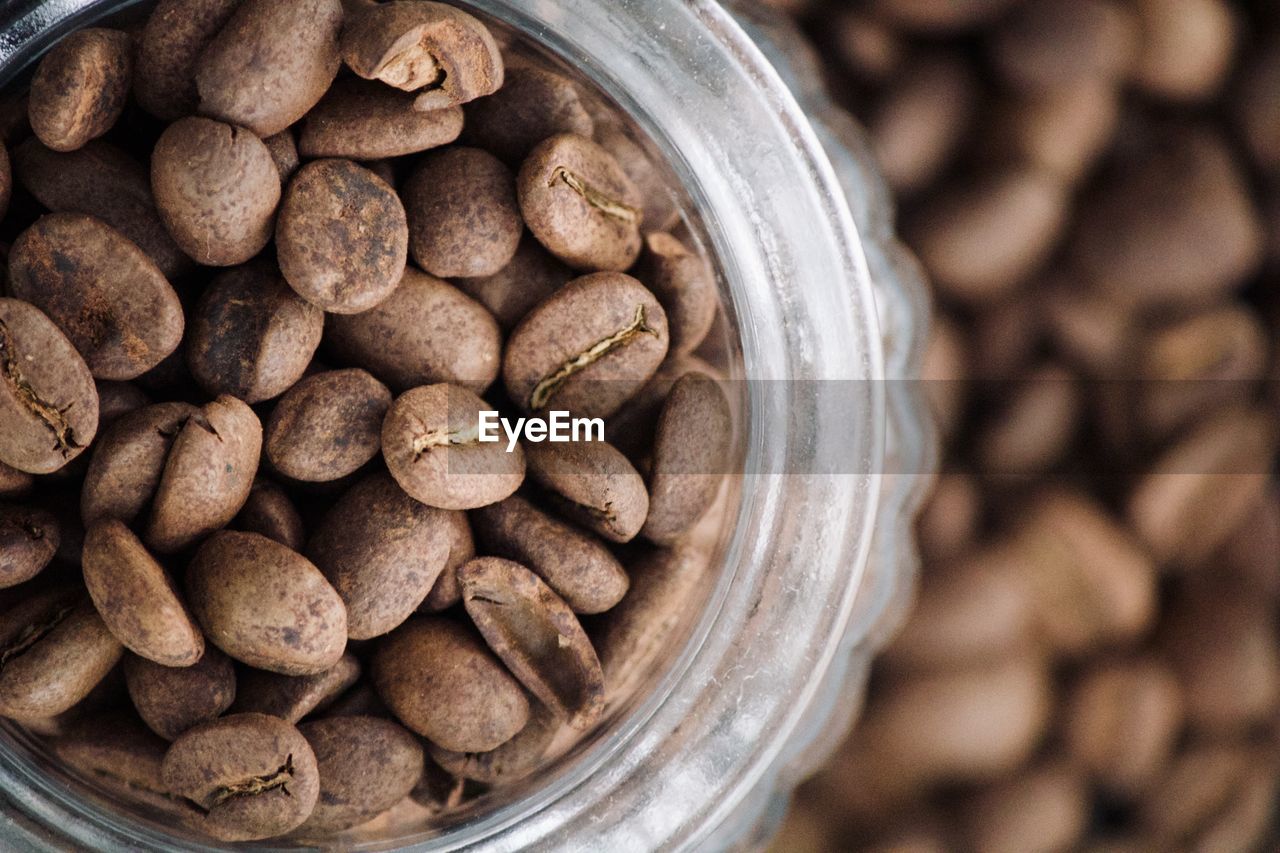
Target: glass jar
817,562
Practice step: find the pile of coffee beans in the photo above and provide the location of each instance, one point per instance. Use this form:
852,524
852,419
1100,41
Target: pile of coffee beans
1093,661
268,261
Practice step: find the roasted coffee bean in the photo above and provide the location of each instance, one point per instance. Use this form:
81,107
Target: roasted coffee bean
114,748
341,237
255,776
581,206
251,336
137,599
446,593
660,210
284,153
1049,44
270,63
440,680
101,290
588,348
1257,110
361,120
533,104
29,539
366,764
512,761
80,87
128,462
176,33
327,426
14,483
48,403
292,697
360,701
265,605
537,636
1195,794
431,443
426,331
1187,47
685,285
1062,132
171,700
117,399
513,291
592,484
216,188
463,215
1031,430
270,512
1045,808
927,16
441,53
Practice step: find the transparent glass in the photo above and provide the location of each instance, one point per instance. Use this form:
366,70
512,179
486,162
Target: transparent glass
816,565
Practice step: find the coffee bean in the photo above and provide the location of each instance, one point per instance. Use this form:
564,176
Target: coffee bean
441,53
270,512
265,605
101,290
29,539
128,462
1257,111
341,237
80,87
431,443
581,206
1187,47
532,275
172,700
292,697
685,285
114,748
426,331
593,485
48,403
14,483
1045,808
532,105
251,336
284,153
939,18
328,425
117,399
175,35
369,121
360,701
512,761
137,599
660,211
254,775
382,551
366,764
446,592
588,348
270,63
1048,44
1062,132
437,791
440,680
1194,791
537,636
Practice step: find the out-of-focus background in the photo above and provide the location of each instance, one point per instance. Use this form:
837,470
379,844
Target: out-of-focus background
1092,664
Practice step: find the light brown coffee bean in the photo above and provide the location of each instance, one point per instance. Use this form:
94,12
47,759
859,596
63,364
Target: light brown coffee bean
382,551
103,181
114,749
441,681
255,776
1193,791
270,63
341,237
265,605
446,592
327,426
431,443
284,153
1187,47
251,336
367,765
172,700
29,539
930,16
442,54
592,484
685,284
1044,809
128,462
137,598
361,120
588,348
176,33
216,188
1062,133
48,403
426,331
1031,430
581,206
1049,44
292,697
512,761
660,211
513,291
270,512
80,87
101,290
1245,557
950,520
207,476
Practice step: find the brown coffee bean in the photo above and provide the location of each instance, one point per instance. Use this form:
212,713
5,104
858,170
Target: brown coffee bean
533,104
103,181
685,284
367,765
128,462
930,16
426,331
117,399
360,701
254,775
207,476
441,53
431,443
216,188
14,483
176,33
361,120
80,87
513,291
537,636
251,335
1187,47
101,290
592,484
56,649
512,761
382,551
951,518
284,153
48,403
29,539
446,592
1062,133
1031,430
114,749
1048,44
172,700
581,206
270,512
292,697
588,348
137,599
265,605
660,211
1046,808
577,566
270,63
327,426
341,237
438,791
1257,109
1195,792
632,428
